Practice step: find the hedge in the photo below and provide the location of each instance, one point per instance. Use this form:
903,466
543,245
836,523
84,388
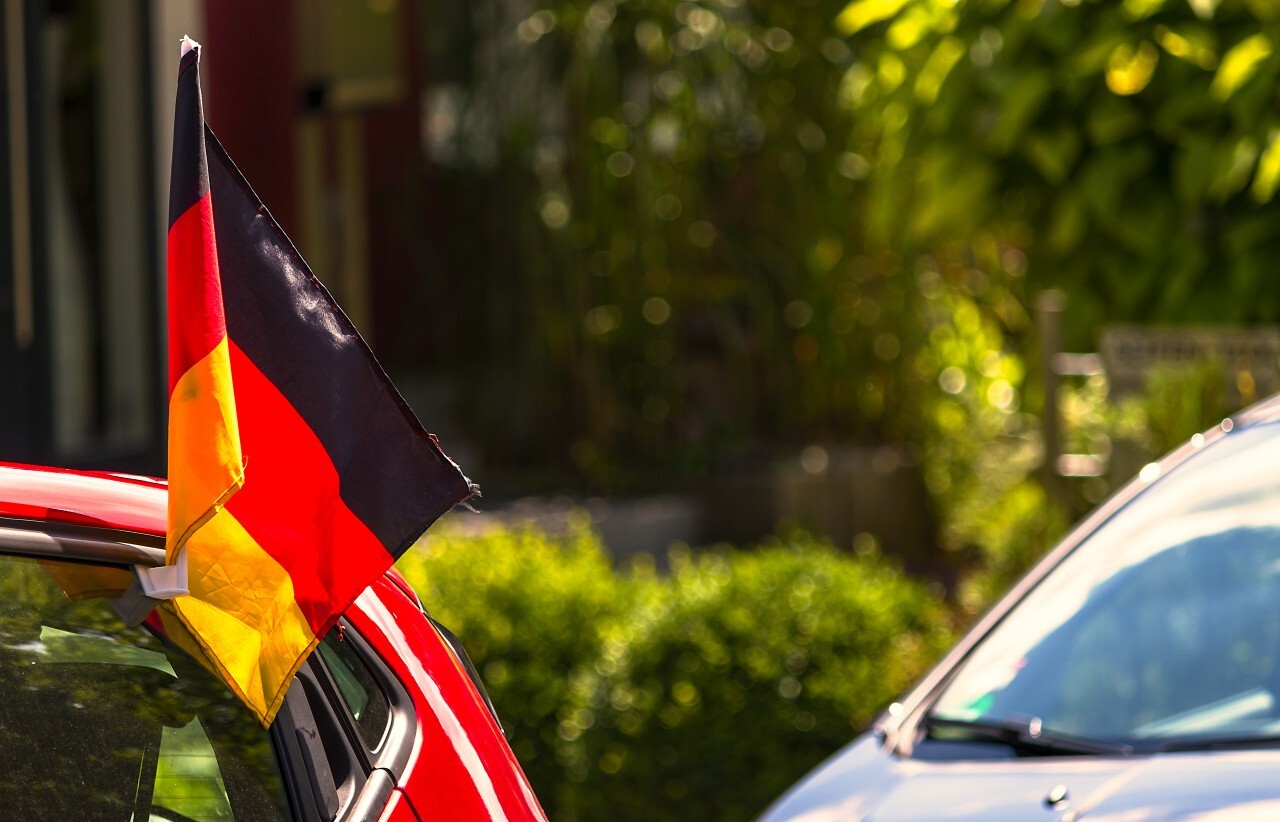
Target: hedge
695,694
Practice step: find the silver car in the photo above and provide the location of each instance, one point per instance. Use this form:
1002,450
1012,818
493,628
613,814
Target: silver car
1134,674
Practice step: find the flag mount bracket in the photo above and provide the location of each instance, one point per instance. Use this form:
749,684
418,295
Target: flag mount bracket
151,586
165,581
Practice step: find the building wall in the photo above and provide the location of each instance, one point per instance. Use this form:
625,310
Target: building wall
318,103
79,337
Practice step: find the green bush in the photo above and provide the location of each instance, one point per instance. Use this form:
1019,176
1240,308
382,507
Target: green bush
531,612
699,694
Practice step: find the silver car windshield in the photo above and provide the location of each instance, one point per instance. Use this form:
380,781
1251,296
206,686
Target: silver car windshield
1163,627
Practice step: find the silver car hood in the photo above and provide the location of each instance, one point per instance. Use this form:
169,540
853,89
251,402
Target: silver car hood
865,783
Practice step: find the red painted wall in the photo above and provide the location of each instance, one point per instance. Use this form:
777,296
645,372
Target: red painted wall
398,221
251,95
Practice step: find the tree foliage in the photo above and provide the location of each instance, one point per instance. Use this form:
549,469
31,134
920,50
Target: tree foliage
1133,147
715,231
691,274
698,226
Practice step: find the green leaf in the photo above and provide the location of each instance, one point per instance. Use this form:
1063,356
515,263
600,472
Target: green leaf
910,28
1262,9
1232,167
1129,70
1267,177
862,13
957,193
1239,64
1138,9
944,57
1192,43
1204,9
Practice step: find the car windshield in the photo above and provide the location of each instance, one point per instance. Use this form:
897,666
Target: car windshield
104,721
1162,629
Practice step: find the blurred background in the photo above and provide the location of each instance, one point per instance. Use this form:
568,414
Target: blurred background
883,293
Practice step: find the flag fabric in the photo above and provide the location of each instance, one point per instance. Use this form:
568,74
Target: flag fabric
205,461
297,473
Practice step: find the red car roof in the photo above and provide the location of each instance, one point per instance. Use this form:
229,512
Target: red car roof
122,501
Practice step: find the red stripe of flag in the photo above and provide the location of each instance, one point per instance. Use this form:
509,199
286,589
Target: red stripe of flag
197,321
291,504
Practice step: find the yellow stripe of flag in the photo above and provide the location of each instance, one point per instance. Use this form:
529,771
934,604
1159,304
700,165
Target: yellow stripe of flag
241,603
205,462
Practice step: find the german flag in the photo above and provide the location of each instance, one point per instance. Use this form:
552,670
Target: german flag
297,474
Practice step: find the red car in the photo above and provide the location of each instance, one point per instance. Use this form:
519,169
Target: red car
104,719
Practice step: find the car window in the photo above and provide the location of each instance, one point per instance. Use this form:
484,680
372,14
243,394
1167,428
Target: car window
1162,626
357,687
99,720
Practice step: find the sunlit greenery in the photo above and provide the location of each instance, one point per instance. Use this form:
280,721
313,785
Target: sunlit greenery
1131,146
703,234
698,694
686,270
